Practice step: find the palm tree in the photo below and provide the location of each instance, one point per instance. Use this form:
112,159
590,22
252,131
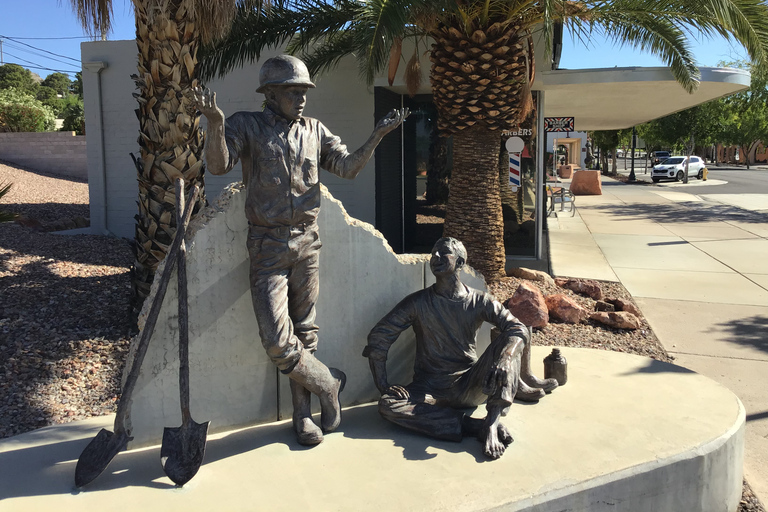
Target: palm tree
168,35
482,66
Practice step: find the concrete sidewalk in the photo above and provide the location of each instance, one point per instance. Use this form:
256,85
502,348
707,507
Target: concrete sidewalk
698,270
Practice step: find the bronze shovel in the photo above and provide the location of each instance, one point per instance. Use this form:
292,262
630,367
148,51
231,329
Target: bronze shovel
183,447
102,449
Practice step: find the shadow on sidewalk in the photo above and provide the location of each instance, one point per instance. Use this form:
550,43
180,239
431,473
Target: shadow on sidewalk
693,211
752,331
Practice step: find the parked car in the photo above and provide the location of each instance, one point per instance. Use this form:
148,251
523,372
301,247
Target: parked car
673,168
659,156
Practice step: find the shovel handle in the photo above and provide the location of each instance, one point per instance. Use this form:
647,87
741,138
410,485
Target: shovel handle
149,326
183,321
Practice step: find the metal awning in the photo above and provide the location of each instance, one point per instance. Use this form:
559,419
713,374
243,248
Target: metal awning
615,98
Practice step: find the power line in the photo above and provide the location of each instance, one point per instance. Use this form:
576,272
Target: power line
41,67
37,54
40,49
55,38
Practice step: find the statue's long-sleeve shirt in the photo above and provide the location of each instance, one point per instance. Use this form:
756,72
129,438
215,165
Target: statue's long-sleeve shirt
445,333
280,161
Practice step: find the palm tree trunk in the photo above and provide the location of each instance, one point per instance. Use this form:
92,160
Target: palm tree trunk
474,200
170,142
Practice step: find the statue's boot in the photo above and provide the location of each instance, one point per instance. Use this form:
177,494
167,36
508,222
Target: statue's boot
326,383
307,433
526,393
527,376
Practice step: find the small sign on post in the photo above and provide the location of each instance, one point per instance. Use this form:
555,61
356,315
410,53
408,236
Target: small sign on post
515,146
559,124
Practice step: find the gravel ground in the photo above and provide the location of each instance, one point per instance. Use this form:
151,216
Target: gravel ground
64,313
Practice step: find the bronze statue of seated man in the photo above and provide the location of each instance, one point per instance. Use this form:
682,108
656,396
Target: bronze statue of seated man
448,375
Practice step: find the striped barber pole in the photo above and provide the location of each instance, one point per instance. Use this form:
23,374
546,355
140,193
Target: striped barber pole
514,171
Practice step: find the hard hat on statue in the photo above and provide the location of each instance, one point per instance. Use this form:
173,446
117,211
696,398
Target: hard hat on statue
283,70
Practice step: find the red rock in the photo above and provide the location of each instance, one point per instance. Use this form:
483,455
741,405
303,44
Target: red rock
625,305
617,319
583,286
565,309
528,305
531,275
586,183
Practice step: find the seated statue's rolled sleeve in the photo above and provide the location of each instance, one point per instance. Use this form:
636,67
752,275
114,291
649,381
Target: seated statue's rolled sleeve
505,321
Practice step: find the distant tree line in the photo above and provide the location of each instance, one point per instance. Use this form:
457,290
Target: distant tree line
739,120
31,104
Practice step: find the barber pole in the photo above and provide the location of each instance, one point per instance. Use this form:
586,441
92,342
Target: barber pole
515,146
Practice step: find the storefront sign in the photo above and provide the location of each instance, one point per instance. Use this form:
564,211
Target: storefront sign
558,124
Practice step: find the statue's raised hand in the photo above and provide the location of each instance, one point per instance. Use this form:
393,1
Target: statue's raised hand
391,121
205,102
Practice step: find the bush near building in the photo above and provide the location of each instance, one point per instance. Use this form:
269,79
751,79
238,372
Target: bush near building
21,112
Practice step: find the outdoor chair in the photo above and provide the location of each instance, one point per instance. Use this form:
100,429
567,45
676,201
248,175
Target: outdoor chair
558,194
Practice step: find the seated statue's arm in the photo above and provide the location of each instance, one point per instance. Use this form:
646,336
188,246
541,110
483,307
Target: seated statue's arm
495,313
381,338
334,155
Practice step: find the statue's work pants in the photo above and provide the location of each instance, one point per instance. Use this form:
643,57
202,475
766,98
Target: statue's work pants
284,289
435,413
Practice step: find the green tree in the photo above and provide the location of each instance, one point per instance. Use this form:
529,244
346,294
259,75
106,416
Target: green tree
745,114
59,82
48,96
76,87
168,35
17,77
482,61
73,114
21,112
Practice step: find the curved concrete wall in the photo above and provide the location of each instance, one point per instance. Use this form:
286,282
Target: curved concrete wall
232,381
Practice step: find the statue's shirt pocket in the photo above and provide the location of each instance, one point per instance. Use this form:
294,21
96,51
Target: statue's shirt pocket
270,167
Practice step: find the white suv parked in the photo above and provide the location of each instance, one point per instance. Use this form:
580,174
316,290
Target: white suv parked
673,168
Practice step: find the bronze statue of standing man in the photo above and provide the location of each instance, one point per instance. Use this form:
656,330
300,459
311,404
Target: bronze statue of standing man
281,153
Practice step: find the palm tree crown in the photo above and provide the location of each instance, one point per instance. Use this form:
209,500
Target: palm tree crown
481,54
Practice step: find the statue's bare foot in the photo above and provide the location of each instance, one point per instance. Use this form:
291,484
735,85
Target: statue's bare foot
330,416
493,446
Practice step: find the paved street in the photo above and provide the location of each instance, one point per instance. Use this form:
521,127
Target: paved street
694,258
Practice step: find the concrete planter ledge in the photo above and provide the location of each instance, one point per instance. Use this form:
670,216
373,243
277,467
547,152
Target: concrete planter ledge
626,433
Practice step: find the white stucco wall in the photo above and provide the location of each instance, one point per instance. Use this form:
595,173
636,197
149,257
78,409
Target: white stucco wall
551,136
343,104
232,381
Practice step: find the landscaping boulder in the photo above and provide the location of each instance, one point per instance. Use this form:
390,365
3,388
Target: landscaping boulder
617,319
625,305
528,305
586,183
565,309
601,305
531,275
583,286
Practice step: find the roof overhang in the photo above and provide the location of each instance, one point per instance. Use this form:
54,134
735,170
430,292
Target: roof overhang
616,98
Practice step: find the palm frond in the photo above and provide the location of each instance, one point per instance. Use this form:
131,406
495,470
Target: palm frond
4,215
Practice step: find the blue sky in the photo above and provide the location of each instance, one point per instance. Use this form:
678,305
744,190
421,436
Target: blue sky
23,20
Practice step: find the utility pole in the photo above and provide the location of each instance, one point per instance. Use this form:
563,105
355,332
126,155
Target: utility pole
1,53
632,177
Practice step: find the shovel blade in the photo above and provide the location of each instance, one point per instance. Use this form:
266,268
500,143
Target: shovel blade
183,450
98,454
